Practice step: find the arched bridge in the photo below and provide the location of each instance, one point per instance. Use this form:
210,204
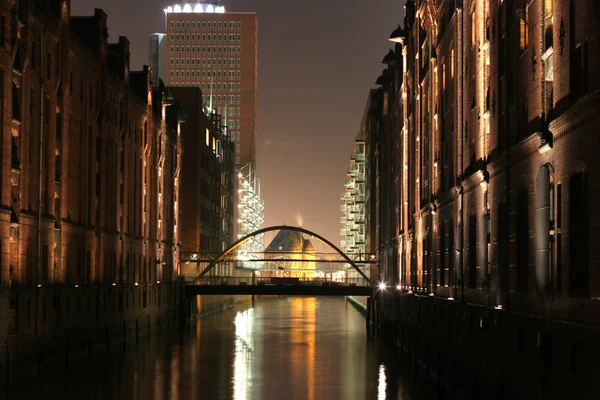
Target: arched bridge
253,283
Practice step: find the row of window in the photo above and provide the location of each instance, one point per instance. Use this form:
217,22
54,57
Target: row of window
207,63
207,25
214,38
216,50
230,99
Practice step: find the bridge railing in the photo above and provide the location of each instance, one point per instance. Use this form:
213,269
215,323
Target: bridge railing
246,281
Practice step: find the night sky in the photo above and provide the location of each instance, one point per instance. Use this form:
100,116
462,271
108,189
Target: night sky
317,60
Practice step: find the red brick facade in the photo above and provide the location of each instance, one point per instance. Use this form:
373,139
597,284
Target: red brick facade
484,134
110,156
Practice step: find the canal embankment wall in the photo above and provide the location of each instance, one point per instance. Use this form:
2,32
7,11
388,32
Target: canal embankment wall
359,302
41,327
480,352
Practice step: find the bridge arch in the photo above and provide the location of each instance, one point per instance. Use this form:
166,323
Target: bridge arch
280,228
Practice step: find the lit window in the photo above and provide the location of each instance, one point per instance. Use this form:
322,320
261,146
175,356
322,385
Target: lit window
524,29
473,28
452,63
444,76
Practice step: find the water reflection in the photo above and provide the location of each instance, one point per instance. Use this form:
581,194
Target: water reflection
382,386
279,348
242,364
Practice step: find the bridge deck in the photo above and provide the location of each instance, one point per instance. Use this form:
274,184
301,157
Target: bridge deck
289,290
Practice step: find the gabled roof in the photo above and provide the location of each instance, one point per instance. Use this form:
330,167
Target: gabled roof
289,241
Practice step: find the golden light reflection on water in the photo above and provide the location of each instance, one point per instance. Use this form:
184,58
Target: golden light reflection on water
242,361
382,383
304,317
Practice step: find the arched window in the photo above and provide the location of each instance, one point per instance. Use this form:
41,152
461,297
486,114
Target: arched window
522,239
473,251
579,237
503,249
544,208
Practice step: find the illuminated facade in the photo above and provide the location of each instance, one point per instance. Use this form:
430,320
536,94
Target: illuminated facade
217,52
295,256
91,155
484,153
250,216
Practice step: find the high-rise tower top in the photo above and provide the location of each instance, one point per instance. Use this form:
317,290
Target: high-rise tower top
195,8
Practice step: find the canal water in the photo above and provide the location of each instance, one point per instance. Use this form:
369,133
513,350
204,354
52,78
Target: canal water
274,348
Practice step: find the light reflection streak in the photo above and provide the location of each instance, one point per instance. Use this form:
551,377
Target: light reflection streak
381,388
242,362
303,313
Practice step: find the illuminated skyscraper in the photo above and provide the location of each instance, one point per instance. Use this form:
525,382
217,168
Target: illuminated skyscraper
208,46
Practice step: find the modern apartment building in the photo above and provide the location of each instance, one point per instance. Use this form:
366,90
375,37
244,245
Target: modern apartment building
217,51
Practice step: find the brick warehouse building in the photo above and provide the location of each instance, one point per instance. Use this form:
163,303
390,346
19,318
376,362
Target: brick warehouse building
481,145
110,154
207,183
